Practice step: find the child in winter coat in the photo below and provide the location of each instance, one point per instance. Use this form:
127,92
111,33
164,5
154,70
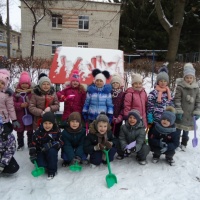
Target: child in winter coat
7,109
8,163
73,137
187,103
100,138
118,103
73,95
163,138
21,99
43,99
159,98
136,98
132,137
46,144
98,97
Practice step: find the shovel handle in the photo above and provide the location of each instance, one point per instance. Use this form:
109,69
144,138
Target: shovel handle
23,96
36,165
107,160
194,119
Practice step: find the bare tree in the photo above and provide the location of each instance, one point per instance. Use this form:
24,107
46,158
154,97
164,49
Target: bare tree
173,30
39,9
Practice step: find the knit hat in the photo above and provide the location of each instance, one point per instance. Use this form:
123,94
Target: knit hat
102,117
169,114
163,74
136,78
116,79
188,70
48,116
97,74
5,76
25,78
43,78
136,114
75,76
74,116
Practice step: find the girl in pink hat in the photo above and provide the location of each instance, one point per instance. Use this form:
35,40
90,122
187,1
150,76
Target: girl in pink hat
21,99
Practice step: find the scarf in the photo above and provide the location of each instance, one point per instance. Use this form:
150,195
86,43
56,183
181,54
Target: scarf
102,138
160,92
24,91
164,130
70,130
115,92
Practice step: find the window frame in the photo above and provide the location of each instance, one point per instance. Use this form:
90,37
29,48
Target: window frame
83,23
55,44
55,19
82,44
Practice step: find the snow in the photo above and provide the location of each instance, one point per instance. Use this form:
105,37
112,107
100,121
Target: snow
150,182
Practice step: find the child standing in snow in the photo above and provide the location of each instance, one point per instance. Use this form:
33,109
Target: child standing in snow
118,102
8,163
163,138
73,137
136,98
187,103
73,95
133,132
46,144
100,138
21,100
43,99
159,98
98,97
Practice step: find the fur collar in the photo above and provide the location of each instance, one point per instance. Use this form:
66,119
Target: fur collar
182,83
107,88
38,91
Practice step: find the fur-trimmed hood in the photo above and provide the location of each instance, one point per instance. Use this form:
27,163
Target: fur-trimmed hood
93,129
107,88
181,82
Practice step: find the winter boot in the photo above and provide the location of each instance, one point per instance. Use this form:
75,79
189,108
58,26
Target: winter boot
50,176
155,158
20,140
170,161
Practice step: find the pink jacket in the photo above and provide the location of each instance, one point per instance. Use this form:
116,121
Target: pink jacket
135,99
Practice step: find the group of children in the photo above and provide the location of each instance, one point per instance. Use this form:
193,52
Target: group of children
102,107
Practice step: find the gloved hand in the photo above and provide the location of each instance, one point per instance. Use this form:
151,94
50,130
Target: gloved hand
127,152
63,98
4,136
47,146
179,116
164,149
162,144
24,105
32,154
56,145
76,159
48,109
197,117
117,120
108,145
2,166
133,149
16,124
150,118
99,147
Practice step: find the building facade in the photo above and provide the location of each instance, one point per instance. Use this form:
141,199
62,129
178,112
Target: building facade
15,40
73,24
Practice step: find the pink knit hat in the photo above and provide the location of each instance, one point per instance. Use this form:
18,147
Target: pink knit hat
75,76
5,76
25,78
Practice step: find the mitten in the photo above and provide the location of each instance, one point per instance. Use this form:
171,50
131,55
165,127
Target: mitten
56,145
16,124
197,117
108,145
179,116
77,159
47,146
127,152
150,118
63,98
2,166
162,144
48,109
117,120
96,147
133,149
163,150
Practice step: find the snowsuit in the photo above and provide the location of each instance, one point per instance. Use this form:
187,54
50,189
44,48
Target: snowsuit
136,133
98,100
135,99
91,140
187,103
39,101
74,104
168,134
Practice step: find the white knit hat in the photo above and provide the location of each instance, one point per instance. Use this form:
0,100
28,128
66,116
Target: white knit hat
188,70
116,79
136,78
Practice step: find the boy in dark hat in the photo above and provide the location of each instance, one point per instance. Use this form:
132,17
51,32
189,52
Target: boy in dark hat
46,144
163,138
73,137
132,137
100,138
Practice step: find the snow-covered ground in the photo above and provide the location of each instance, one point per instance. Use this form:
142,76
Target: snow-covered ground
135,182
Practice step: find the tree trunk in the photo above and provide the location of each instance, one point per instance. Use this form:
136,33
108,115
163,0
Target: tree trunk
33,41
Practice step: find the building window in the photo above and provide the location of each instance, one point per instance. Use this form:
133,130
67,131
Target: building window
57,21
83,22
55,44
82,44
13,38
1,36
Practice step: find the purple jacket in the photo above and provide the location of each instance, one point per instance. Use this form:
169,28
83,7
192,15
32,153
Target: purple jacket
7,149
20,112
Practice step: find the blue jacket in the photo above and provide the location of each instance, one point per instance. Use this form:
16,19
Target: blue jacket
73,143
98,100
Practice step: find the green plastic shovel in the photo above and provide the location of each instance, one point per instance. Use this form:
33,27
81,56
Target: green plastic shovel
76,167
111,179
38,171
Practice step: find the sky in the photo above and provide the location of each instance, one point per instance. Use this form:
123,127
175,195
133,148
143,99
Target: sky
134,182
15,13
